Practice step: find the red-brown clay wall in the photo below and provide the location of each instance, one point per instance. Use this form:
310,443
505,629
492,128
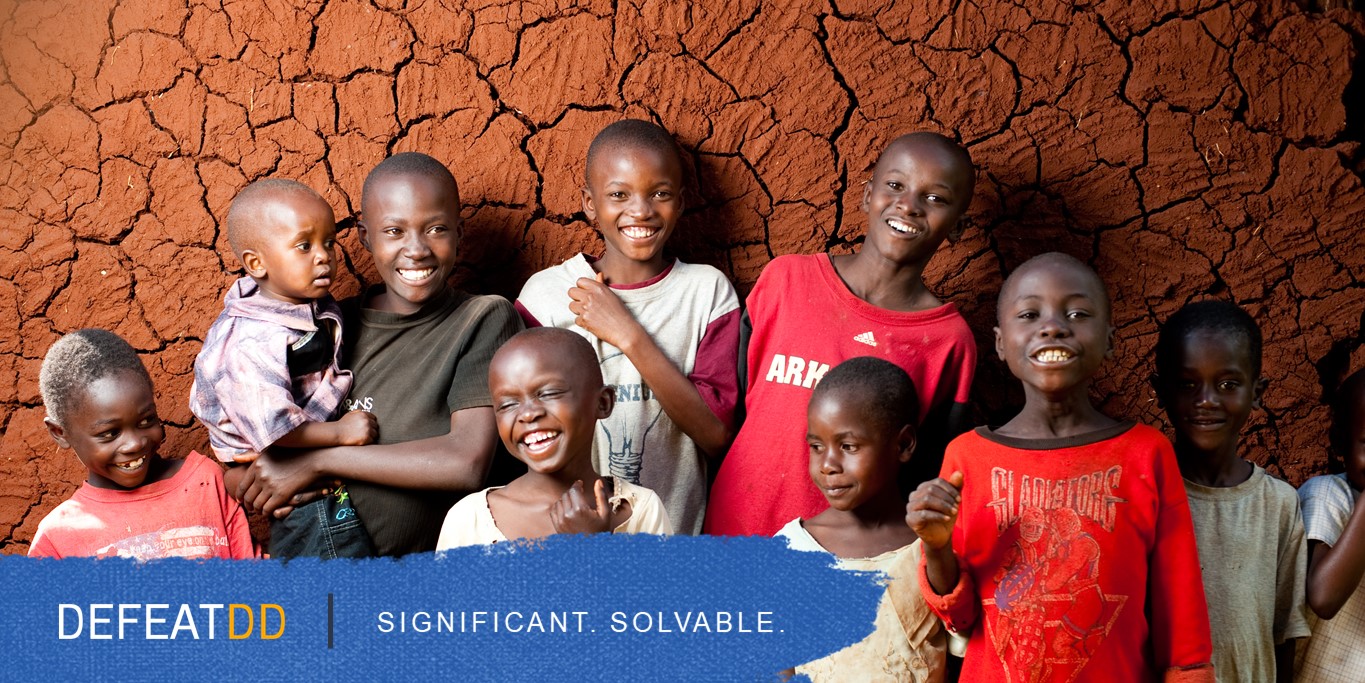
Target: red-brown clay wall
1186,148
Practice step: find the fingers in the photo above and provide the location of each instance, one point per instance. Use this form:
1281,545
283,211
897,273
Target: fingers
246,458
602,278
600,488
956,479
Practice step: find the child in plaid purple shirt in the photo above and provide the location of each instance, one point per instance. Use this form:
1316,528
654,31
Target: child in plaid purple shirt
268,374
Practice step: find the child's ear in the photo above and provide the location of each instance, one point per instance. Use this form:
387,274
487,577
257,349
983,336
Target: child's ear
255,267
588,207
867,195
606,402
1258,390
1155,380
56,432
364,234
1109,342
999,343
907,440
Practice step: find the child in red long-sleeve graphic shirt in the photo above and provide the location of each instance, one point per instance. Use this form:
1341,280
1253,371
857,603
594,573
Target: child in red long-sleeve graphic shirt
1062,540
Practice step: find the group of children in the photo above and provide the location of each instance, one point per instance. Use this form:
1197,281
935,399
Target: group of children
1063,545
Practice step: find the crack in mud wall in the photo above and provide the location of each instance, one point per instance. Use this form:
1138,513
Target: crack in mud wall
1186,148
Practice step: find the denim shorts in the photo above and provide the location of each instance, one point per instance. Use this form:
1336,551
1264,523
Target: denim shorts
327,528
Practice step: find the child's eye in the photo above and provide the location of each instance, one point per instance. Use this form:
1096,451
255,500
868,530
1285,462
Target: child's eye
329,244
937,199
107,436
815,447
616,195
1228,385
303,246
506,406
1077,315
1027,315
437,229
894,186
848,447
149,422
392,231
549,393
663,194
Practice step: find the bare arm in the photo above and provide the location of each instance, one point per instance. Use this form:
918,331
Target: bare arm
1334,571
601,312
932,513
356,428
457,461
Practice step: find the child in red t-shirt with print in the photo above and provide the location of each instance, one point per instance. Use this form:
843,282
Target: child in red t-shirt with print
133,503
810,313
1062,540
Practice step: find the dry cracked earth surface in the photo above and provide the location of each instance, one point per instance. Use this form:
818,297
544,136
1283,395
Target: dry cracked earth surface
1185,148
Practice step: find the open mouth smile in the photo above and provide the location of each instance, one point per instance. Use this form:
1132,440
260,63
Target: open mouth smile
131,465
639,232
1053,355
415,275
903,227
539,441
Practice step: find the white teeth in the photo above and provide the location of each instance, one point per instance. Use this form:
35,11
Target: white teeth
415,275
1053,355
637,232
902,227
535,438
132,465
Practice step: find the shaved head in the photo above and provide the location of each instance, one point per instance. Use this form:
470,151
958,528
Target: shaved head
246,221
1053,260
925,142
567,351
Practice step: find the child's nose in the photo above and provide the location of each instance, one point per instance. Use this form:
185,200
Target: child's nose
415,247
1055,326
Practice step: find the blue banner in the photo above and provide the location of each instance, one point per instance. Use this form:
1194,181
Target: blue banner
568,608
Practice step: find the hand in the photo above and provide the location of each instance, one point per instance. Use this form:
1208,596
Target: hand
357,428
601,312
273,486
573,513
233,478
932,510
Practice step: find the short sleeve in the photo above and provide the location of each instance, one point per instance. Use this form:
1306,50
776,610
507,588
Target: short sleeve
647,512
1291,576
255,392
715,371
495,322
1327,503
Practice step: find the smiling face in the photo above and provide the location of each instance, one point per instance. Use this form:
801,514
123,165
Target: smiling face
410,223
292,258
634,195
1211,390
1054,327
114,430
853,459
545,403
917,195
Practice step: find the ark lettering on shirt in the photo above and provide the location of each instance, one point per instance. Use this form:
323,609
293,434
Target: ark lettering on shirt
1092,496
795,370
632,393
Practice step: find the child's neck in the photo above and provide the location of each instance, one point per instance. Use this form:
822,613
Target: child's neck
885,283
554,484
1220,468
1063,415
619,270
876,527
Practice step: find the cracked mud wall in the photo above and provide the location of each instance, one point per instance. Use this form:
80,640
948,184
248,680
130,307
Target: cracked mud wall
1186,148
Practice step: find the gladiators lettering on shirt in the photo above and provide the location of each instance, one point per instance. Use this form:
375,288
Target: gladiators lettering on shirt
1092,496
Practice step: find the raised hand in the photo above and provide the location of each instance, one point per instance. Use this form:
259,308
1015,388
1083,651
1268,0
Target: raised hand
932,510
574,513
602,313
